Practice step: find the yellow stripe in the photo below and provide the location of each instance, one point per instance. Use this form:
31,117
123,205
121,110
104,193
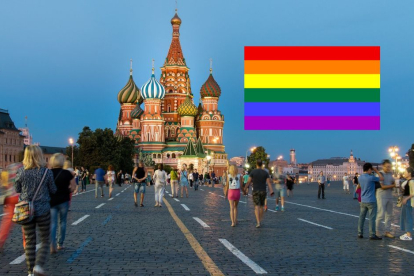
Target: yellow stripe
204,257
311,81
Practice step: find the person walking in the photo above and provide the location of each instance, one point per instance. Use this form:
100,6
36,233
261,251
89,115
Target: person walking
196,181
87,178
119,178
99,181
232,192
184,180
345,182
83,179
59,202
35,183
110,178
280,189
160,179
200,178
9,198
245,178
190,177
406,219
260,178
289,185
321,183
174,183
355,182
139,177
213,178
368,200
385,201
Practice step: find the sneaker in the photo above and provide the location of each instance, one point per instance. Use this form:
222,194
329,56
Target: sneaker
405,237
283,209
375,238
37,270
389,235
277,208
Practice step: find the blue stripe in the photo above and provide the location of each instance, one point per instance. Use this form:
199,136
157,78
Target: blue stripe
107,220
79,250
311,109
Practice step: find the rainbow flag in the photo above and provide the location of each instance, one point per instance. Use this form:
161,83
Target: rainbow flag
312,88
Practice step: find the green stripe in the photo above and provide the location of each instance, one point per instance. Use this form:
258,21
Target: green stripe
311,94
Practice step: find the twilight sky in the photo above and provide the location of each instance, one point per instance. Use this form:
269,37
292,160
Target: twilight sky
63,63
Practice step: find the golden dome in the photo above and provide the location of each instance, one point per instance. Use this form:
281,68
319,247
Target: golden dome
187,108
176,20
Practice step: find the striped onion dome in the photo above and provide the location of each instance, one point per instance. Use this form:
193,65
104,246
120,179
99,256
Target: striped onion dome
210,88
137,112
152,89
187,108
130,93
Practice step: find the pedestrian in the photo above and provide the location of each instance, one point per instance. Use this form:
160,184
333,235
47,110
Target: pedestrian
280,189
122,178
245,178
190,176
321,184
232,192
207,178
119,178
174,182
9,198
77,179
34,178
289,185
213,178
260,178
110,178
355,182
184,180
345,180
309,178
297,178
385,201
368,200
99,180
59,202
87,178
200,178
139,177
406,219
196,181
328,180
83,179
160,179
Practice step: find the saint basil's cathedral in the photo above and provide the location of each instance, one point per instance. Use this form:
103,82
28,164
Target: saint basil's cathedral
170,127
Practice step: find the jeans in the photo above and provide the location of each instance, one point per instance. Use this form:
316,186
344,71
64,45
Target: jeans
58,212
98,184
406,219
321,189
384,211
371,208
355,193
196,185
83,184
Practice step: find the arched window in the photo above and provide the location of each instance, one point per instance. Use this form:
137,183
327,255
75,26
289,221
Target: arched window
173,155
169,108
154,156
168,155
159,155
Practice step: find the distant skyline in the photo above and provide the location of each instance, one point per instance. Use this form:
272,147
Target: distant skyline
63,63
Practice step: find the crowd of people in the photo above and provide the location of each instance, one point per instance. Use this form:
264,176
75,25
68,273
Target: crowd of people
50,187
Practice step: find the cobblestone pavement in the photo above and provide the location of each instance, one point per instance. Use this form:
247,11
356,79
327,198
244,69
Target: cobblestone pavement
120,239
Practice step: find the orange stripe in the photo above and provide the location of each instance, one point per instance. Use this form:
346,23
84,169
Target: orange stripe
312,67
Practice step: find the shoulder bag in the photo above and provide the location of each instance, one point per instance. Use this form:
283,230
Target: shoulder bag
24,210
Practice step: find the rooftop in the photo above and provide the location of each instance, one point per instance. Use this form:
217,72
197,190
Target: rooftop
5,121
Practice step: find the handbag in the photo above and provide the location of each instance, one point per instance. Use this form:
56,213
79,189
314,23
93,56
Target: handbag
24,210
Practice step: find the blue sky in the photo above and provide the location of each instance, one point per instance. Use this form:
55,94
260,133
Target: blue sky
63,63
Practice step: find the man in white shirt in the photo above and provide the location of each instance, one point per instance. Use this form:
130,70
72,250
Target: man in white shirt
345,181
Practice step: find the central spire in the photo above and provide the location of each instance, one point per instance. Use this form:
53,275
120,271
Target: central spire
175,54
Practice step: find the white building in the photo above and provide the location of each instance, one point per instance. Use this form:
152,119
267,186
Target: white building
336,167
238,160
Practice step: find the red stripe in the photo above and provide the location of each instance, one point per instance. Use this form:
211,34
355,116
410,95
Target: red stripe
311,53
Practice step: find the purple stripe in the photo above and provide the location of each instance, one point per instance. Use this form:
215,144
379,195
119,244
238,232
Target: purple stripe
311,109
311,123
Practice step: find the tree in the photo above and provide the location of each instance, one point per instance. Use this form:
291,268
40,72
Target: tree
411,156
100,148
258,153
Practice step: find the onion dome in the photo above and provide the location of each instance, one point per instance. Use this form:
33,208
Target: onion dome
176,20
137,112
130,93
187,108
210,88
152,89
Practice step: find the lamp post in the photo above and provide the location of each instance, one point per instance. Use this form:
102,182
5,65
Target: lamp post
393,150
251,149
71,143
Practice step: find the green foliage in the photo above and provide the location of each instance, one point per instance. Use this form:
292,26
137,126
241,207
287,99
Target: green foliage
167,168
411,156
258,153
102,148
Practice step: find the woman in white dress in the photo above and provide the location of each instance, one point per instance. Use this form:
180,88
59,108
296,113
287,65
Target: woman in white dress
160,179
110,178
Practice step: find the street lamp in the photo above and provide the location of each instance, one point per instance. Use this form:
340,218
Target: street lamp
393,150
71,143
